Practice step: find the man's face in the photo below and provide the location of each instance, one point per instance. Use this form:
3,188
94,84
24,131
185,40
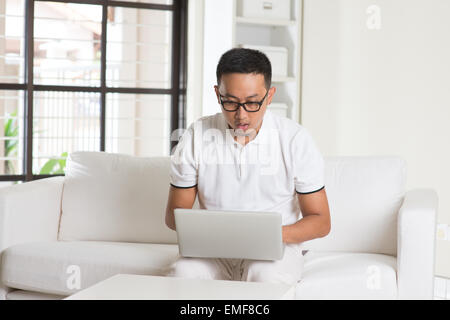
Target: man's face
244,87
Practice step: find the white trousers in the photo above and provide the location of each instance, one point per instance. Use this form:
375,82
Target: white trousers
288,270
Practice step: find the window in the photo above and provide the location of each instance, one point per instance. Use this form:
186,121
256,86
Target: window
90,75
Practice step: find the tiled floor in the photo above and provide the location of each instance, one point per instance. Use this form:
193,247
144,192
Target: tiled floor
441,288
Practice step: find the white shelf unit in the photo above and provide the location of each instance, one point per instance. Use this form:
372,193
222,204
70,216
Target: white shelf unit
266,22
278,33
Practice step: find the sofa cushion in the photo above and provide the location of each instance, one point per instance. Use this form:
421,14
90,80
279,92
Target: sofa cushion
53,267
331,275
115,197
364,195
118,197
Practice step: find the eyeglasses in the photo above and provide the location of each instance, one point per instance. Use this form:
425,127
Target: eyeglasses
250,106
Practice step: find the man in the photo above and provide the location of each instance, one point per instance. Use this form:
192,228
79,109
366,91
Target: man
247,158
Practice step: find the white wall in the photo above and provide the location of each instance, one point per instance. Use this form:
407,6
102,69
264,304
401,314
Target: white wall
382,91
210,34
194,88
218,38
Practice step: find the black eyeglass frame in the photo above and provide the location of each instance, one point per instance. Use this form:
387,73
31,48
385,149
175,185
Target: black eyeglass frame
238,104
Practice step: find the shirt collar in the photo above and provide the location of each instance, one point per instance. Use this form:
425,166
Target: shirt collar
260,138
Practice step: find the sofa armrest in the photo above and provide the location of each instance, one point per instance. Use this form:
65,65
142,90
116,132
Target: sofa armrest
30,211
416,244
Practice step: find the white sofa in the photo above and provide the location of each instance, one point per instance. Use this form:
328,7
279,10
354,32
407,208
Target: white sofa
106,216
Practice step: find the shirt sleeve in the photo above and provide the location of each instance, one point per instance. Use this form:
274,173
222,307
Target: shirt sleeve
183,169
308,164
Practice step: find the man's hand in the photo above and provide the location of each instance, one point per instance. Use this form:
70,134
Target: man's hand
179,198
316,221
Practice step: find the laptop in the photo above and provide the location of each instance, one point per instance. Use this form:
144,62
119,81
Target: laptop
229,234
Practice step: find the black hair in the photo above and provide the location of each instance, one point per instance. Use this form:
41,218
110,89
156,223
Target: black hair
244,60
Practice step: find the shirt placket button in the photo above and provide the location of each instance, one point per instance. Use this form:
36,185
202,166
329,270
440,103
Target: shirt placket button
241,162
237,159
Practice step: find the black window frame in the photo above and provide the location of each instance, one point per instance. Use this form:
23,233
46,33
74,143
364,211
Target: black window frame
177,91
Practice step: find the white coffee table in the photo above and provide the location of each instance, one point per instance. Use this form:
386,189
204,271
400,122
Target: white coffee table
140,287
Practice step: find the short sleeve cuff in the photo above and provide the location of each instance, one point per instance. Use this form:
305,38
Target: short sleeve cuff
308,190
179,187
185,182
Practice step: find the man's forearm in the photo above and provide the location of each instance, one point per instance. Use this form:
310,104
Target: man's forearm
170,219
178,198
307,228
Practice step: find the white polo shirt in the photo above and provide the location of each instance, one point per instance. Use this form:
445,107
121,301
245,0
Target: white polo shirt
264,175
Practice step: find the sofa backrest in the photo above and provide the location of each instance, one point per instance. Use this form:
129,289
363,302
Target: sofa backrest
364,195
115,197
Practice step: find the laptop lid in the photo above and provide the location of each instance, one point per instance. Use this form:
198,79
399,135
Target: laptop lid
229,234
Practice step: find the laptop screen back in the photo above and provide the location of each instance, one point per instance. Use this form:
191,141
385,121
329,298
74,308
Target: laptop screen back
229,234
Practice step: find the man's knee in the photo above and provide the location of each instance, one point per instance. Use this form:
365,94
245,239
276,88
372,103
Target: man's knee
272,272
193,268
261,271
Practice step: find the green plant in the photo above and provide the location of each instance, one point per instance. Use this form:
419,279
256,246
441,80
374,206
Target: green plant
54,166
11,147
11,131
